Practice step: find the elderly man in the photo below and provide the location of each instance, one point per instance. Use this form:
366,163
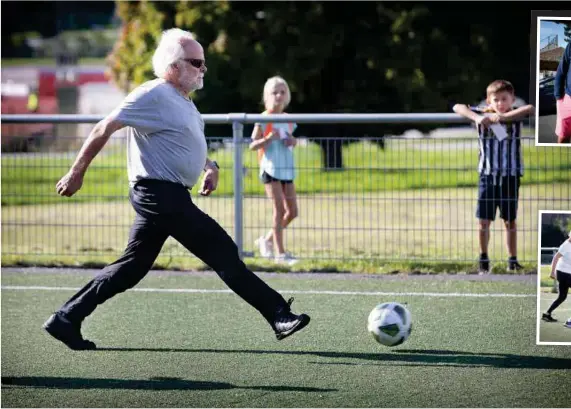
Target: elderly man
166,153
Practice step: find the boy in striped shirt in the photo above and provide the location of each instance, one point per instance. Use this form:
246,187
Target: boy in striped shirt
500,164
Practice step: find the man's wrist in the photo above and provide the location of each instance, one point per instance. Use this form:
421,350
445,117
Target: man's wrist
78,169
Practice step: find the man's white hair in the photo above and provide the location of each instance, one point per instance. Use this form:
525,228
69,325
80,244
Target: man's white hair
271,84
169,50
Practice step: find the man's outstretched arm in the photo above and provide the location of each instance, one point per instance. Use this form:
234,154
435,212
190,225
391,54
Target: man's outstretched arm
98,137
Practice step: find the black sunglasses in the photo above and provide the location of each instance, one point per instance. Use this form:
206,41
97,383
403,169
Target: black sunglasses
195,62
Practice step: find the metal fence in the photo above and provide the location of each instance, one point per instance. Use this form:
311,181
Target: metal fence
396,199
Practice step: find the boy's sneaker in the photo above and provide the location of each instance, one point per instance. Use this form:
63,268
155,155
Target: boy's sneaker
286,258
286,323
484,263
265,247
513,264
568,323
547,317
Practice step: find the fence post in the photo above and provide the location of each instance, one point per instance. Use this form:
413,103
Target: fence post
237,137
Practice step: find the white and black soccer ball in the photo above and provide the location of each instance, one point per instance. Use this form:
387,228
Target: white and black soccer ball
390,323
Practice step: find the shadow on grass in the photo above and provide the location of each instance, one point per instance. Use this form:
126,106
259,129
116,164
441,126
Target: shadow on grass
160,384
423,357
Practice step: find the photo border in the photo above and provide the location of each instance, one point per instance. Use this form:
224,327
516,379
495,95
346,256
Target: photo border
536,17
538,289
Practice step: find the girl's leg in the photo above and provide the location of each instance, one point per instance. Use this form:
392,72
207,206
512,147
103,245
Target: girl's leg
564,282
290,205
290,202
275,193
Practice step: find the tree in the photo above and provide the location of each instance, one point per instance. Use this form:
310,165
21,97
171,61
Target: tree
567,32
366,57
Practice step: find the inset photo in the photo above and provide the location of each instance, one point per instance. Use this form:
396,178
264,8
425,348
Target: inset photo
554,278
553,82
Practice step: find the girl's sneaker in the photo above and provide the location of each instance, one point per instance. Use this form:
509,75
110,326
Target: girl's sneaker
548,318
265,247
568,323
286,258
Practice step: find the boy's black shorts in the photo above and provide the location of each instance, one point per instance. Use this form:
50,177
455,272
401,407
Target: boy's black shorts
504,193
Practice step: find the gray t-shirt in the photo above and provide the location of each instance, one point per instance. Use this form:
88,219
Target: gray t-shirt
165,134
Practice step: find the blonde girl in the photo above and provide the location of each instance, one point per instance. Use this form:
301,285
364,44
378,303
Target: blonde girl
274,143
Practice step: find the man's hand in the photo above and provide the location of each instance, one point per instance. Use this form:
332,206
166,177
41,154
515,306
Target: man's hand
209,182
484,120
552,275
98,137
70,183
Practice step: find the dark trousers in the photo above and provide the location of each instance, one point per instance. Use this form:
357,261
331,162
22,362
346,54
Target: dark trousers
564,280
165,209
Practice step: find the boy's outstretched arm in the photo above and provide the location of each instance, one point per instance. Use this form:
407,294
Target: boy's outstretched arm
466,112
517,114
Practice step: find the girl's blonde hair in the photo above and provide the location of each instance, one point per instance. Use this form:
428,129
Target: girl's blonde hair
271,83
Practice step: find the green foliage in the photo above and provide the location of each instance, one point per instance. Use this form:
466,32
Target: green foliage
566,30
369,57
130,60
19,39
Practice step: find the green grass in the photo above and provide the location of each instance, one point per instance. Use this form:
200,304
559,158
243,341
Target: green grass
554,331
405,165
428,231
213,350
408,208
545,281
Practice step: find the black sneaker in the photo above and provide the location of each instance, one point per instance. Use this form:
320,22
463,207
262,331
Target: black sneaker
484,264
547,317
65,331
513,264
287,323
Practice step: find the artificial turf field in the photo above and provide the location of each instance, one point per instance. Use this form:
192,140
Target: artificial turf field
554,331
183,340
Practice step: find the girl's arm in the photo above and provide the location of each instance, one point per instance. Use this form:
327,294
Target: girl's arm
290,141
258,140
558,255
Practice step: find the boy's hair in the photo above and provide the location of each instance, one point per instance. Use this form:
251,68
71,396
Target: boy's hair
269,88
499,86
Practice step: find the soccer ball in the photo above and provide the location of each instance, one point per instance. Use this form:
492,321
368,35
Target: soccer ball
390,323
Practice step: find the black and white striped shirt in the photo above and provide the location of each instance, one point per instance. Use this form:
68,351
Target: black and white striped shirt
500,158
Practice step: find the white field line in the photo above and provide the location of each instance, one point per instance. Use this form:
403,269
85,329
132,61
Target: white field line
318,292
